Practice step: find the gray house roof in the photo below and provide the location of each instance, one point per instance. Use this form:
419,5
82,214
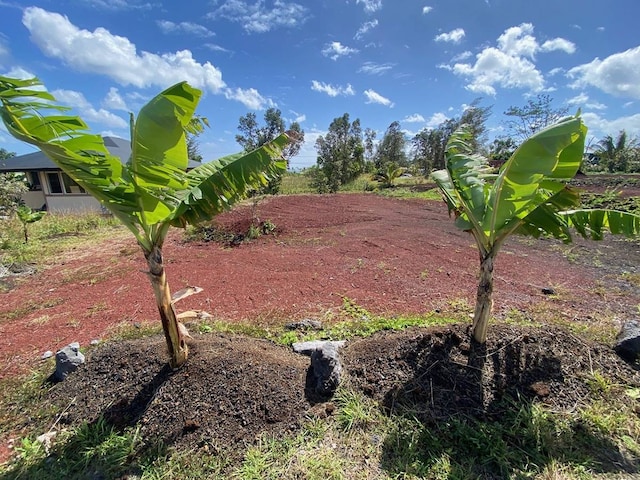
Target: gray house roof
38,161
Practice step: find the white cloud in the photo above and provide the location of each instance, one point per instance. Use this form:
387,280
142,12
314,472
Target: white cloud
426,10
20,73
250,98
299,117
216,48
335,50
191,28
375,97
518,41
555,71
116,57
599,126
580,99
370,6
114,100
558,44
120,5
462,56
413,118
366,26
256,17
510,64
331,90
454,36
617,74
77,100
372,68
436,119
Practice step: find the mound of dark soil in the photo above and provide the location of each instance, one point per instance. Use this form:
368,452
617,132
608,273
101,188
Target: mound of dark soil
232,389
235,388
436,374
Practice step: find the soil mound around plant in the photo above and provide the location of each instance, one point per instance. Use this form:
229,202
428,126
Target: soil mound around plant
436,374
233,388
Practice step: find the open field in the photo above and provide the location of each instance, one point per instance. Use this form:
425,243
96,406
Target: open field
359,263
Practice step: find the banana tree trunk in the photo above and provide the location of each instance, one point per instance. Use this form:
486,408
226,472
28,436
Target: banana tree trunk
484,300
177,346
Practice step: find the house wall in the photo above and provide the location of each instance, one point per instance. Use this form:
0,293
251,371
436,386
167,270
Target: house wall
34,199
72,204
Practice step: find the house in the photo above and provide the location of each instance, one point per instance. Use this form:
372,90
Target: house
53,190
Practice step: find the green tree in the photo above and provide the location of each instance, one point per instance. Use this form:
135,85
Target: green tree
537,114
501,150
391,148
152,191
12,186
369,148
253,136
528,196
429,145
340,153
616,154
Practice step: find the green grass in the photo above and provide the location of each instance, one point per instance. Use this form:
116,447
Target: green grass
52,236
360,440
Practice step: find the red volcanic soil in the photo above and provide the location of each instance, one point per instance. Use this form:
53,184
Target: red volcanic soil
388,256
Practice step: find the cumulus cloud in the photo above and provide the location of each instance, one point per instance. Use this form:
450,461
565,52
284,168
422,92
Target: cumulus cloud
19,72
370,6
510,64
256,17
617,74
426,10
114,101
454,36
332,91
375,97
366,26
436,120
413,118
558,44
372,68
114,56
250,98
335,50
600,126
167,26
87,111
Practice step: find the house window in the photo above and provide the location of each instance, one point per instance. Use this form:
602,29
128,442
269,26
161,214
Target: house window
60,182
34,181
55,185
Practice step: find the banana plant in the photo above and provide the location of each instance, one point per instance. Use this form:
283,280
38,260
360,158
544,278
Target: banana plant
153,190
529,195
27,216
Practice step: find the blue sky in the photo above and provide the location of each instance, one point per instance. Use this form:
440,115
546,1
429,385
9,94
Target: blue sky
417,62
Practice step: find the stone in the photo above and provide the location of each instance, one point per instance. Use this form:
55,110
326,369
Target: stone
47,354
327,369
67,360
307,348
548,291
94,342
628,341
305,324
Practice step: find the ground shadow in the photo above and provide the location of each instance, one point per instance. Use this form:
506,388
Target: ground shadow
483,410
